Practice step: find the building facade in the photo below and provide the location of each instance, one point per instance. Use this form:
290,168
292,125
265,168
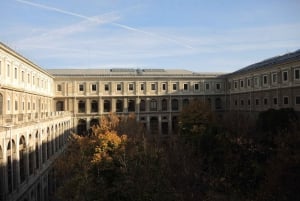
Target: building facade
32,134
38,107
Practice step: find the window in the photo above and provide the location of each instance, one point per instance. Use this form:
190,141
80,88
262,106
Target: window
153,86
153,105
297,101
81,87
185,87
94,106
256,81
285,100
142,87
174,86
131,106
297,74
16,73
8,105
28,78
265,79
242,102
241,83
249,102
196,86
164,86
119,87
106,87
218,86
274,78
22,74
175,104
8,70
131,87
207,86
81,106
235,102
106,106
164,105
119,106
248,82
16,105
58,87
235,84
33,81
284,76
28,105
256,101
275,101
0,67
142,105
265,101
94,87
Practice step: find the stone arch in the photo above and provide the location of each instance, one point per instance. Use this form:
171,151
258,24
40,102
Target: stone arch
81,127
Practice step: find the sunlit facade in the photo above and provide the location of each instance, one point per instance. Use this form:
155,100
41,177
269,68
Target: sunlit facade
39,107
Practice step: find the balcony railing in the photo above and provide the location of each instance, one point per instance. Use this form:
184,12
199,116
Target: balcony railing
16,119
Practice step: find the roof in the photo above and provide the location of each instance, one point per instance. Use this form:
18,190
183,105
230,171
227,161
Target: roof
293,56
126,72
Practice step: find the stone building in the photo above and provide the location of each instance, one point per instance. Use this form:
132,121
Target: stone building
38,107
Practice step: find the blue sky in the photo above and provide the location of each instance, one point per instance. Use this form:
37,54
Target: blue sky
202,36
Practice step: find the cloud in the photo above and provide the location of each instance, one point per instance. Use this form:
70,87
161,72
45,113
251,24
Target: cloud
123,26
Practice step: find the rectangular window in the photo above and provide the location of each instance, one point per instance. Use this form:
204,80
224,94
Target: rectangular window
249,102
142,87
284,76
153,86
265,101
28,105
274,78
297,101
235,84
23,76
33,80
196,87
275,101
106,87
185,87
265,79
8,70
28,78
297,74
285,100
241,83
164,86
256,101
16,73
94,87
174,86
58,87
8,105
81,87
256,81
119,87
131,87
16,105
248,82
206,86
218,86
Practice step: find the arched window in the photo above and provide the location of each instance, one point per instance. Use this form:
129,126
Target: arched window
164,105
142,106
59,106
81,106
94,106
119,106
131,106
185,102
153,105
174,104
106,106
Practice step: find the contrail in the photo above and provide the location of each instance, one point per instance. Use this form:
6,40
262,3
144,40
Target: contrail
97,20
